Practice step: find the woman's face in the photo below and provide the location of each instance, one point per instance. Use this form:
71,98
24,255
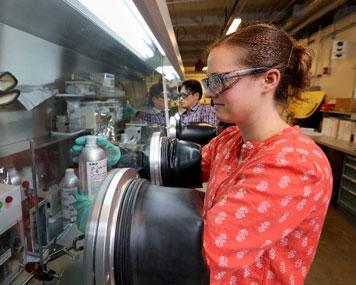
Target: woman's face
240,103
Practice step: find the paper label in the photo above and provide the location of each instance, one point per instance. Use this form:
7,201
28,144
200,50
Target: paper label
96,173
68,200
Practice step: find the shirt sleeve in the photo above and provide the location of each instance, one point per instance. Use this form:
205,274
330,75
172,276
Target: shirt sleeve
207,153
264,205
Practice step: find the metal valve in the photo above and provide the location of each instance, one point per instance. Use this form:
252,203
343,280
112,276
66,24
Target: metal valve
38,271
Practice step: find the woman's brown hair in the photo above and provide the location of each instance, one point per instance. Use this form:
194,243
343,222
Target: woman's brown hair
267,46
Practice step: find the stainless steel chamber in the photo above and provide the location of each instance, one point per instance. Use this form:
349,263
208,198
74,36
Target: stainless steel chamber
174,162
200,133
139,233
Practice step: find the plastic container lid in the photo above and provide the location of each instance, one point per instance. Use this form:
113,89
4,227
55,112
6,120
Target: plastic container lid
69,170
91,141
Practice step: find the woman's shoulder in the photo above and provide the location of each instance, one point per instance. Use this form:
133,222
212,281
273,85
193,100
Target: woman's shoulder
293,149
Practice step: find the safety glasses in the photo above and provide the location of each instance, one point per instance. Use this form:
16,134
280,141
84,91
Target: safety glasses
184,95
217,83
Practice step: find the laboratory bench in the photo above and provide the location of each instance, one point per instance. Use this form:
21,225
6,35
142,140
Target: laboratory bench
342,158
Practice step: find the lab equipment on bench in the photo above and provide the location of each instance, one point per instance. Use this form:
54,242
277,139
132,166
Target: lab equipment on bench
11,232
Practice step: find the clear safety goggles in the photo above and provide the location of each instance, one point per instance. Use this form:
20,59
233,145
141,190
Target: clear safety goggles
217,83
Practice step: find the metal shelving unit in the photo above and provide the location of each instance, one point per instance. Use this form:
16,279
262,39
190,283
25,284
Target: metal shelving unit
39,142
337,114
347,191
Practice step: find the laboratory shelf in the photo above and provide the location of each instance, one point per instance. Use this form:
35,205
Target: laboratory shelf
40,142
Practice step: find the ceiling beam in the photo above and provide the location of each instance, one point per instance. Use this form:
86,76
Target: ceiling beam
317,15
187,52
202,26
198,20
190,52
196,37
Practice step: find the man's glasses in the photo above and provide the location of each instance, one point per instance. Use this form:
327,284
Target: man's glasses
184,95
217,83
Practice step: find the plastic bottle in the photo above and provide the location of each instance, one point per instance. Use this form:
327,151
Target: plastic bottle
69,185
92,167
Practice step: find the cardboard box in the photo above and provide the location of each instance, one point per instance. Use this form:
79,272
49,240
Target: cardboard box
345,105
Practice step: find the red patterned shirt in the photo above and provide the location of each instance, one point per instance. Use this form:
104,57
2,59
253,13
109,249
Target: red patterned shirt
264,207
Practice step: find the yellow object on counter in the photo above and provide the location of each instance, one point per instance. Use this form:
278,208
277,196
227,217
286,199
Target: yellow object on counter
302,109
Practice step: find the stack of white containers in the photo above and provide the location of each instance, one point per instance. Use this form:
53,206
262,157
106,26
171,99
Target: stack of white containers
337,128
330,127
345,130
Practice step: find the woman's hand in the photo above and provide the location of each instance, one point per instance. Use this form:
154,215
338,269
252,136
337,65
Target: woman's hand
82,205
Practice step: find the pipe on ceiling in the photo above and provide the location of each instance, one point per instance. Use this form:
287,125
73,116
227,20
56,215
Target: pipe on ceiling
311,13
318,15
232,12
307,11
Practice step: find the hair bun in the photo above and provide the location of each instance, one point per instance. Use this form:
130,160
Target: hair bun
301,69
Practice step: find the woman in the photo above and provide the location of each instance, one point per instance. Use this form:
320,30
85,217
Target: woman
268,185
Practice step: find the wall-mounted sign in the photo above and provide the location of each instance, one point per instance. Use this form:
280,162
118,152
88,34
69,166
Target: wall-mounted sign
339,49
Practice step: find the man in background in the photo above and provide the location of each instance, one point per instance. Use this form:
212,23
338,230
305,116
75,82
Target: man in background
155,114
190,93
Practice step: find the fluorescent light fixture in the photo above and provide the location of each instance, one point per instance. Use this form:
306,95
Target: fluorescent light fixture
144,25
122,20
234,25
168,72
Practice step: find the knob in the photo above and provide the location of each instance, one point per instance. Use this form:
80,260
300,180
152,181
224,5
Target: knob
9,199
26,184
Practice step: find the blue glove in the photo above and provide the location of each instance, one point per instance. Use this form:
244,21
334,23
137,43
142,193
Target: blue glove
83,206
112,151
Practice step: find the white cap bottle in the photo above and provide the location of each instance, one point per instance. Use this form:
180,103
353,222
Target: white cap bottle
68,186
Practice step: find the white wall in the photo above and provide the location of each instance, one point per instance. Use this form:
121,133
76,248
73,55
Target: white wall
341,81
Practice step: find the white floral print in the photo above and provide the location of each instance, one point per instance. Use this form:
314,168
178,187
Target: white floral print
221,240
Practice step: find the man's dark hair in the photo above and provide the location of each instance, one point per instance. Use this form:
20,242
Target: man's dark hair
193,86
156,90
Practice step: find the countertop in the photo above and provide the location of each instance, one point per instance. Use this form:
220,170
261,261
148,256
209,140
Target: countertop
340,145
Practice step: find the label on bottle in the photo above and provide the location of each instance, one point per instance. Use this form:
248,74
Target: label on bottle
96,173
68,210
